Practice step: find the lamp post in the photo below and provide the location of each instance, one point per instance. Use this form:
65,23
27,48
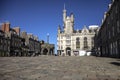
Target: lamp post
47,37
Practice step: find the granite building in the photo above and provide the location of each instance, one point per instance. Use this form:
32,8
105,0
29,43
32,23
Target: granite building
16,43
31,42
71,42
15,39
4,44
108,38
47,49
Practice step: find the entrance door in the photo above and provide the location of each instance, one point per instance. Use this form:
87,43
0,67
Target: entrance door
68,51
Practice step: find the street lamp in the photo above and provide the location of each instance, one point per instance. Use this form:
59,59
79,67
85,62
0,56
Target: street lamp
47,37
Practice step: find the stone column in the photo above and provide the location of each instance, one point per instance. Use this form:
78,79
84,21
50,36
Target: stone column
48,53
42,51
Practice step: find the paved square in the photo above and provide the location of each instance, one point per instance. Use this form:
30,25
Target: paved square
59,68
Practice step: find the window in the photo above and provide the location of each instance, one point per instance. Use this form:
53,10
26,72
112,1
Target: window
68,37
61,47
85,43
67,24
116,10
109,35
68,42
111,48
5,41
0,41
13,41
92,41
61,42
77,43
113,30
111,16
116,47
118,26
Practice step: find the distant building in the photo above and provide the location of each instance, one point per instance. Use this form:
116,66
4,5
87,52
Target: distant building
16,43
15,39
108,37
31,42
47,49
70,42
4,44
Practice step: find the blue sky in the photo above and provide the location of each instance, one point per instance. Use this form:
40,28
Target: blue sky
43,16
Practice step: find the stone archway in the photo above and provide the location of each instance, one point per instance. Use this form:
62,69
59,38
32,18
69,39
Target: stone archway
45,51
68,51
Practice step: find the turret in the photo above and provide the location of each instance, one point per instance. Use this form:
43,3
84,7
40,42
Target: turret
68,22
6,27
72,17
72,20
59,29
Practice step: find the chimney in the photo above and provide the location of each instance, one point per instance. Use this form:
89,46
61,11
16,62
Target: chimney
6,27
3,27
17,29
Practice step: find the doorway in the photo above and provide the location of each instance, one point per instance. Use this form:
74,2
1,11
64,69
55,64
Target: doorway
68,51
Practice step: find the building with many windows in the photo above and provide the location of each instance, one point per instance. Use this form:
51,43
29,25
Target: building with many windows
72,42
107,40
4,44
16,43
32,43
15,39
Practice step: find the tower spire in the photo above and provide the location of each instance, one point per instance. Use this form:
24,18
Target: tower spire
64,6
64,13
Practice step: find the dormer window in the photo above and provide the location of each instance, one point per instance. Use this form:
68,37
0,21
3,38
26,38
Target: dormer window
85,30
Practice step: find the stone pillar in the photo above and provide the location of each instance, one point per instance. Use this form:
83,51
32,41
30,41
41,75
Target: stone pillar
42,51
48,53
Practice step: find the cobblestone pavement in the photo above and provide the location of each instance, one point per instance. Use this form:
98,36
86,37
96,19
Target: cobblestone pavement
59,68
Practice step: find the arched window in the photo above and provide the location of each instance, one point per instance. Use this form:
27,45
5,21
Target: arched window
77,43
85,43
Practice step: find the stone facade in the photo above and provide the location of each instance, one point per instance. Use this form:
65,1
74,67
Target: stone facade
16,43
32,43
15,39
47,49
4,44
71,42
108,37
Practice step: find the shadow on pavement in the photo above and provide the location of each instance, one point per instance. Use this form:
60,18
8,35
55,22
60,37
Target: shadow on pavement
115,63
118,60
